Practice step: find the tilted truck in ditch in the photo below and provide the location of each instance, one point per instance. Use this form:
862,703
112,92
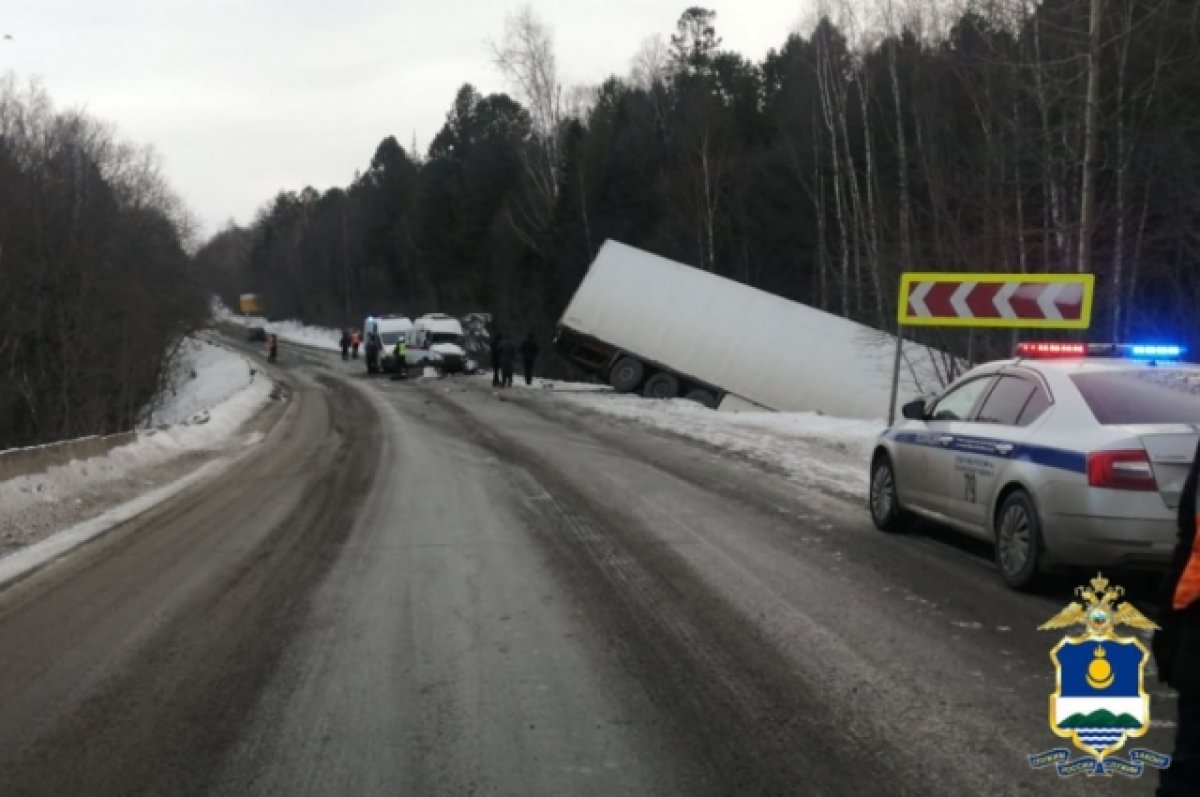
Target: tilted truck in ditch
651,325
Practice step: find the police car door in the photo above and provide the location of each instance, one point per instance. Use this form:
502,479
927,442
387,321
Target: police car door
950,419
983,447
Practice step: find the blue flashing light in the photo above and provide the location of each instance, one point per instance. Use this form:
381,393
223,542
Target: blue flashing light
1164,351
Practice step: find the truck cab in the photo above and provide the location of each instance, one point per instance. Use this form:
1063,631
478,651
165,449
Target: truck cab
447,339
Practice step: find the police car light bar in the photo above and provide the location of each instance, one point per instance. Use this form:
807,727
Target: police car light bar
1038,349
1142,351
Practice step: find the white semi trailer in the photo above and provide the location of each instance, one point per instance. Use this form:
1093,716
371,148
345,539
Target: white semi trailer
648,324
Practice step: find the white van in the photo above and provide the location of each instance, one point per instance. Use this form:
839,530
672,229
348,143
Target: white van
389,329
447,339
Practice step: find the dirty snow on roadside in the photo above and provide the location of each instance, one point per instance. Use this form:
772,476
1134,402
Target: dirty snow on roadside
832,454
205,414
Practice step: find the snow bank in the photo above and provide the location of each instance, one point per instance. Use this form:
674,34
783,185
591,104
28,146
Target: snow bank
296,332
205,415
290,331
205,376
557,386
830,453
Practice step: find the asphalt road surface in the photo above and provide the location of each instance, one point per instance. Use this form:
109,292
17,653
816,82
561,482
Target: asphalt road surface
430,587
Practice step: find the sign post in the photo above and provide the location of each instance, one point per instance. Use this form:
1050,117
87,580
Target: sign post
1012,301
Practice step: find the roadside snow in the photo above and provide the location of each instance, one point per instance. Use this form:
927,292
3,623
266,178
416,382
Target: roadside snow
561,386
205,376
205,415
296,332
291,331
830,453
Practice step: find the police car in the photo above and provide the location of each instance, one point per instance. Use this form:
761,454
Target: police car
1069,454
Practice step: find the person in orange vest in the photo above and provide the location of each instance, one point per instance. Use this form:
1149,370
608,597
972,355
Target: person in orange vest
1177,644
355,341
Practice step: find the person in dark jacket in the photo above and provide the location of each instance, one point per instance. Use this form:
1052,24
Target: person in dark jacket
506,353
373,350
272,348
529,353
1177,644
496,341
345,344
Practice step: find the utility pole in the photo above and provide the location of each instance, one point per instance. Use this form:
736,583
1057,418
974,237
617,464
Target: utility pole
1087,205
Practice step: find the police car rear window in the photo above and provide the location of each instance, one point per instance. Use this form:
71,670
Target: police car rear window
1144,395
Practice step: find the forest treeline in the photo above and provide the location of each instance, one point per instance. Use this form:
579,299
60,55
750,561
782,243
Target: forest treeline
1007,136
96,289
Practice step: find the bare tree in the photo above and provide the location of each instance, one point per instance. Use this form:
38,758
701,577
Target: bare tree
1087,204
832,102
651,64
526,58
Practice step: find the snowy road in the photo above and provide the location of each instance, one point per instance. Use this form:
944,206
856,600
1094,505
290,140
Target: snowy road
426,588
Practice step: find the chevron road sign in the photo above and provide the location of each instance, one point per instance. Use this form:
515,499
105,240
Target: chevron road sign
1027,301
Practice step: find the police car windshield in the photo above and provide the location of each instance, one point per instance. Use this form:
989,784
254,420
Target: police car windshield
446,337
1142,395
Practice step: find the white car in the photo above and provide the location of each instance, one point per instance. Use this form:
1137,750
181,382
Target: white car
1071,453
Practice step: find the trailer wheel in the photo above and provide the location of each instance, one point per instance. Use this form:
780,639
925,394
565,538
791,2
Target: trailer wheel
626,375
701,396
661,386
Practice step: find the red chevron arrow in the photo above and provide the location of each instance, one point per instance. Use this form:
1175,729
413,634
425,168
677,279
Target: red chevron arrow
1012,300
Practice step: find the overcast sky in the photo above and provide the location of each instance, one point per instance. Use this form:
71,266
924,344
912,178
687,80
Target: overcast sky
242,98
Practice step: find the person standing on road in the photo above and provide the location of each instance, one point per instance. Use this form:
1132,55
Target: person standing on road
345,344
529,353
496,341
400,354
506,353
272,348
1177,644
373,349
355,340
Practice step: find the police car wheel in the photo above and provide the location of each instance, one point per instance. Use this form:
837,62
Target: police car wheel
885,509
1018,540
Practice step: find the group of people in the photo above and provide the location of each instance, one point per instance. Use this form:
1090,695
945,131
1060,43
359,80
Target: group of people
351,340
504,355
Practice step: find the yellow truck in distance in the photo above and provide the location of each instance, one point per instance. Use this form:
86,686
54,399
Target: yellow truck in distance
250,304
